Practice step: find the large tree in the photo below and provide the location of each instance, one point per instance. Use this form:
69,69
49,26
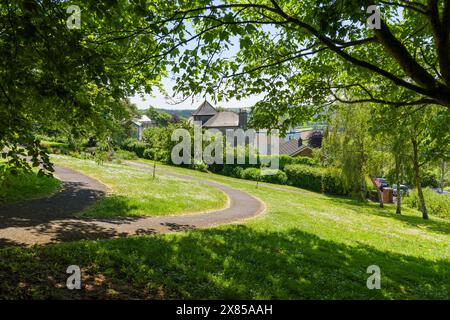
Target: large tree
306,53
419,136
52,75
348,145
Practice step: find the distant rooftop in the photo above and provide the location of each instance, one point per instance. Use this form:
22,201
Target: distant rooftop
223,119
291,147
205,109
141,120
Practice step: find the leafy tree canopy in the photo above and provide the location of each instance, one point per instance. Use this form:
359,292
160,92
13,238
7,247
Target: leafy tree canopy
305,55
301,56
51,75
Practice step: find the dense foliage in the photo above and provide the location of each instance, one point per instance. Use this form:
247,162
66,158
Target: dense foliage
72,80
438,205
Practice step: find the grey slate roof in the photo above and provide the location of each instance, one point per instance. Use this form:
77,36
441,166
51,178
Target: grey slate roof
223,119
205,109
141,120
291,147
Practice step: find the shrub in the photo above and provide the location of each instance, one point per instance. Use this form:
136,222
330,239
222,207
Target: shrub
149,154
332,182
251,174
276,176
304,160
101,156
437,204
125,155
232,171
55,147
315,139
81,155
136,146
199,166
284,160
304,176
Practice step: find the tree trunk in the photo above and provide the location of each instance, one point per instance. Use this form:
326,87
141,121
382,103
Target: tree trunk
399,195
442,178
417,179
363,188
380,195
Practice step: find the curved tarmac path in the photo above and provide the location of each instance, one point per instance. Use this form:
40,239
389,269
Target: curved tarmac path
51,219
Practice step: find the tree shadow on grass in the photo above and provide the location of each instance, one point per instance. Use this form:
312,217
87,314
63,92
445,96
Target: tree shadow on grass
73,198
53,219
439,226
236,262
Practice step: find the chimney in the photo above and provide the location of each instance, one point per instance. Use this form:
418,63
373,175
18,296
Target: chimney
300,142
242,119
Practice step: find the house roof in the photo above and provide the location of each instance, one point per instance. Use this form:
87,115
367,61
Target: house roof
223,119
141,120
291,147
205,109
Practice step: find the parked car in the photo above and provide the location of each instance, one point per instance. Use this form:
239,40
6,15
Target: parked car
403,189
441,192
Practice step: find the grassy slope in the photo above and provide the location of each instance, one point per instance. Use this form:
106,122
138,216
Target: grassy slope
136,193
27,186
305,246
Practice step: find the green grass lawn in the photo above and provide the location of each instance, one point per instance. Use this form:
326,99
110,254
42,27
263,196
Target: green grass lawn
305,246
135,193
27,186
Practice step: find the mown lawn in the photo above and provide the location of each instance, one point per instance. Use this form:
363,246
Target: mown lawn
134,192
27,186
305,246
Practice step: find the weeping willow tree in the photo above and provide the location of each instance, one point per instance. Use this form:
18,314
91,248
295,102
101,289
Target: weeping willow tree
349,146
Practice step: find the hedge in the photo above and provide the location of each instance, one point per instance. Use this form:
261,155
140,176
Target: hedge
232,171
332,182
276,176
304,176
326,180
284,160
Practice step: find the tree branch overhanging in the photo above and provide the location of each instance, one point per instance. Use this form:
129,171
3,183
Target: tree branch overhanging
425,83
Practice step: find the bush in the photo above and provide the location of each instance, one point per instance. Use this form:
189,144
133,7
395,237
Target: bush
304,160
55,147
437,204
232,171
315,139
101,156
276,176
203,167
332,182
284,160
157,155
81,155
125,155
136,146
251,174
149,154
304,176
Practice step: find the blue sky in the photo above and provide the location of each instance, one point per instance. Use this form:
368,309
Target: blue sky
158,100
